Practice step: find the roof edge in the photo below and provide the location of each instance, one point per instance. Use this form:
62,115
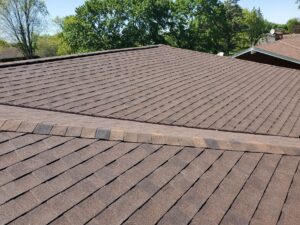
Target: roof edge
272,54
73,56
242,52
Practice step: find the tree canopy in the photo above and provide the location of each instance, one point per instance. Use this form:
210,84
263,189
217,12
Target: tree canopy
210,26
255,24
292,23
22,20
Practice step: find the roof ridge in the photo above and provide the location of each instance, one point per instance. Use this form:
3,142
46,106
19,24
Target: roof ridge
211,139
72,56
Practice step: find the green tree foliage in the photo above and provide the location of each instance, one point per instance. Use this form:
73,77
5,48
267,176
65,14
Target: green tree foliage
292,23
96,25
3,44
54,45
255,24
232,25
210,26
146,21
108,24
196,25
22,20
47,46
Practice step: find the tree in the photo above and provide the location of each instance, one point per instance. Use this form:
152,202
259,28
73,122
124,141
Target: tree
209,26
291,24
147,22
3,44
97,25
232,24
22,21
255,25
47,45
109,24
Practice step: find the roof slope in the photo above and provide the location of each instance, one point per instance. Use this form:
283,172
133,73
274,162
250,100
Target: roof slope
289,47
48,179
161,85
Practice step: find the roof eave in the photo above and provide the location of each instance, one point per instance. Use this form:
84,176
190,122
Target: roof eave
272,54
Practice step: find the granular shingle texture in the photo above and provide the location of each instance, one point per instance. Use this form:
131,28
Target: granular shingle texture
289,46
47,179
162,85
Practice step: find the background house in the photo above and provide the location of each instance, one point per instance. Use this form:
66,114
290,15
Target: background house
283,50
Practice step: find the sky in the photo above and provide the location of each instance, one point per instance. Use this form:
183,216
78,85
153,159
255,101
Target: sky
277,11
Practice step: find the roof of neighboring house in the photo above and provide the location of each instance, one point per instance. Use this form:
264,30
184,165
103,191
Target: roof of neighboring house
129,137
287,49
161,85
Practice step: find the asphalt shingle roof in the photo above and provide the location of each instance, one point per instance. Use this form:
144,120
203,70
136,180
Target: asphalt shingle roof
64,160
48,179
161,85
289,46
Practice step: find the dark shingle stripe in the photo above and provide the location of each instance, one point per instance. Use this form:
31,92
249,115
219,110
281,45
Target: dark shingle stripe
273,104
26,170
246,202
103,134
276,192
167,196
269,95
215,95
158,80
291,209
217,205
250,105
100,179
43,128
110,81
164,85
30,151
130,178
111,183
160,91
173,101
19,142
143,191
56,177
215,113
6,136
189,112
265,124
286,112
55,86
192,201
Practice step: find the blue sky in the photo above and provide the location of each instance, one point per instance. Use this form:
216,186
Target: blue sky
278,11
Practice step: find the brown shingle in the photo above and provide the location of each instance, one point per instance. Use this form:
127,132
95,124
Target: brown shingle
160,84
64,172
288,47
65,180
